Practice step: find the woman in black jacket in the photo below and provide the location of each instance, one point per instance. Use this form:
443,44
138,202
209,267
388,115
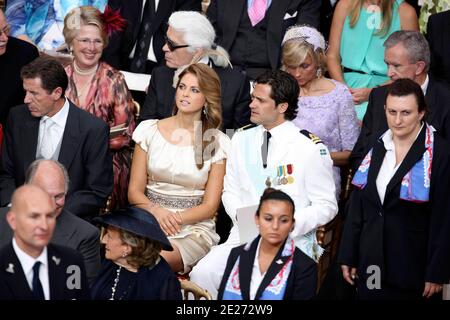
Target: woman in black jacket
395,241
270,267
134,269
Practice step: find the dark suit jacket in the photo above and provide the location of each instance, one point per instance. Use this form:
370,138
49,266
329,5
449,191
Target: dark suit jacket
84,152
301,283
375,123
438,29
225,16
235,89
408,241
121,43
18,53
14,285
70,231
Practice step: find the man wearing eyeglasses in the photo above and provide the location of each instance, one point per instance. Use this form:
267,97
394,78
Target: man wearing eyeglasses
189,39
407,55
14,54
136,42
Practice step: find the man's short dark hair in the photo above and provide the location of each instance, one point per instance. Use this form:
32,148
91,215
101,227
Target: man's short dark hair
284,89
50,71
405,87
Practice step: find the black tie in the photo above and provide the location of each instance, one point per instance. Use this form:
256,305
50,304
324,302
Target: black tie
143,41
38,292
265,147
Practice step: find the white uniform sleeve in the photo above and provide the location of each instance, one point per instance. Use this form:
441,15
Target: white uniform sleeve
320,191
231,187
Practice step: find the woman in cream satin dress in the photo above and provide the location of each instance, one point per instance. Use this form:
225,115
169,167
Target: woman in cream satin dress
178,167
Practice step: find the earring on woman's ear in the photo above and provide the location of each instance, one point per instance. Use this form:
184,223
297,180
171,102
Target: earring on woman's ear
124,254
205,110
319,72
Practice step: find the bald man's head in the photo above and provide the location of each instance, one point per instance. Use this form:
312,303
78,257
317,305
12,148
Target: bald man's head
32,217
52,177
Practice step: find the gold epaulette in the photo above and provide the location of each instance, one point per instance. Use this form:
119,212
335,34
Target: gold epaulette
315,139
251,125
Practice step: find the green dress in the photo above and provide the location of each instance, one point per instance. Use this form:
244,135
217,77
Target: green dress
362,51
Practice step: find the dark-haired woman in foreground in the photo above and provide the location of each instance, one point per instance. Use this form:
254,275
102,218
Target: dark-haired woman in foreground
270,267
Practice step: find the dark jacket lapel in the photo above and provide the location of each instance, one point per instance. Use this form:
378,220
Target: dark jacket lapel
414,154
29,141
246,267
378,153
276,13
137,23
275,267
430,98
163,10
71,137
56,275
15,280
232,14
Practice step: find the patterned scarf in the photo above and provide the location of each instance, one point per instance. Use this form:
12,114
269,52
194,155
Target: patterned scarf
415,185
277,287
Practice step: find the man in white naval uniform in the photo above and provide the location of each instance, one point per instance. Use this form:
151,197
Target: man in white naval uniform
297,163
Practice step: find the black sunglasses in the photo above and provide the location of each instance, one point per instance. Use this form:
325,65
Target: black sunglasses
172,46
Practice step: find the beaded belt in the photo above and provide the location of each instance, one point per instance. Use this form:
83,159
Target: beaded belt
175,202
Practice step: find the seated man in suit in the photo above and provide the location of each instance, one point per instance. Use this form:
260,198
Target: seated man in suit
49,126
252,30
14,54
438,29
71,231
124,50
30,267
190,38
407,55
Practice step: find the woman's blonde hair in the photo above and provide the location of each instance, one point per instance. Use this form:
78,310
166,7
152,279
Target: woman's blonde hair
295,52
144,252
83,16
386,14
211,115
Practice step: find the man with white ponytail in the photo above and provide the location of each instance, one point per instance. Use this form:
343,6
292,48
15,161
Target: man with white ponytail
121,51
190,39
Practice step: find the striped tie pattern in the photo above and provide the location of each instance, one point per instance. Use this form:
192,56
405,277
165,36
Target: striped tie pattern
257,11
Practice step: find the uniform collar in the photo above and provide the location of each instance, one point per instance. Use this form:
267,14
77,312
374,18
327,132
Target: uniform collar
279,131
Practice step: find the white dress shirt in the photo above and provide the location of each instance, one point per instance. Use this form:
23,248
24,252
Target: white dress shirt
257,277
27,262
388,167
57,130
424,85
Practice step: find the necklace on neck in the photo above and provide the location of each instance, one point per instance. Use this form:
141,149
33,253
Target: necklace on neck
82,72
116,282
81,91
